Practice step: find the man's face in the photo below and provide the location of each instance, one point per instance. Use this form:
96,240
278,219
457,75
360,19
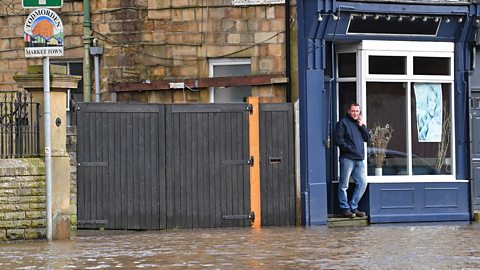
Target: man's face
354,112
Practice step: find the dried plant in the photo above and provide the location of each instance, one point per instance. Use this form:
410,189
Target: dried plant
444,143
380,137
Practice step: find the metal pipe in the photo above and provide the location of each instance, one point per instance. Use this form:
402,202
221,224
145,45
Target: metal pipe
288,87
48,143
96,64
87,32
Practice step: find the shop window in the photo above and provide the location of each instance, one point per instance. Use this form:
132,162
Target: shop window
387,105
347,65
431,130
407,87
227,68
387,65
431,66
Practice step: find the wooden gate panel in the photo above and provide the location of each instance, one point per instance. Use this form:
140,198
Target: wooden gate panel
206,147
120,166
277,168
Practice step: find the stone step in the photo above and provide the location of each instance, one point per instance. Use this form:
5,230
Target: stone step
340,221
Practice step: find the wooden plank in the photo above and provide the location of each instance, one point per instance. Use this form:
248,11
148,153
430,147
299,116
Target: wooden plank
280,145
211,171
250,80
291,166
254,143
178,172
111,169
81,177
119,170
148,184
196,130
202,139
246,169
263,165
141,169
91,188
172,150
217,170
188,154
106,203
161,170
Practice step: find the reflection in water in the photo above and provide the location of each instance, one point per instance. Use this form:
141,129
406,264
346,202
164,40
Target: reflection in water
393,246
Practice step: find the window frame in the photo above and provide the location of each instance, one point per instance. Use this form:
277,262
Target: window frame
212,63
408,49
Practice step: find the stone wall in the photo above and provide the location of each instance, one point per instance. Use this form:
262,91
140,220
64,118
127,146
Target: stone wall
72,152
22,199
147,40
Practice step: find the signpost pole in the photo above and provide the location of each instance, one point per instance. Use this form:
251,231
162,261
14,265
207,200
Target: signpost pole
48,143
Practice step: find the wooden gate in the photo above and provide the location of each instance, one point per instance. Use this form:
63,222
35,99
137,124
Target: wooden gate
150,166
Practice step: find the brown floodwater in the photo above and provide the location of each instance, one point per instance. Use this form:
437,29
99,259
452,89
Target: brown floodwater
392,246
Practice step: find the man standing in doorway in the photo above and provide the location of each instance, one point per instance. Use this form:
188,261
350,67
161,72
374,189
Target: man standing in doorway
350,136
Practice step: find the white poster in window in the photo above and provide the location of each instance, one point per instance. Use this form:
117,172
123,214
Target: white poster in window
429,111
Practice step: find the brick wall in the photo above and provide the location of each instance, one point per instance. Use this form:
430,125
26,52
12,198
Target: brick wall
22,199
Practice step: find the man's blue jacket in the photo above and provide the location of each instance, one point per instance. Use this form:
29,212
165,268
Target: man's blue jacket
350,138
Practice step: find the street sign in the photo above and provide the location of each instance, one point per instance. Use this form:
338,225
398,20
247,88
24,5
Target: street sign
43,34
42,3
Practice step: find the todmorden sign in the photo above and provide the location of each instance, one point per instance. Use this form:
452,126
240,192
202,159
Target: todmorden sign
43,34
42,3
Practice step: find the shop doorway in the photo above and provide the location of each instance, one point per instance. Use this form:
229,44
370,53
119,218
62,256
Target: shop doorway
475,151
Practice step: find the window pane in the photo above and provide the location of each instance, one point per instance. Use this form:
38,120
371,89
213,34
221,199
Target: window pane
387,65
386,105
431,66
431,128
233,94
347,66
346,95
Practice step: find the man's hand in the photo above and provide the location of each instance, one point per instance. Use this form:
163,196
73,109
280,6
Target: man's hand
359,120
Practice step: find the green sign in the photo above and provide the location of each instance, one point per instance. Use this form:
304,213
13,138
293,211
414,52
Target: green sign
42,3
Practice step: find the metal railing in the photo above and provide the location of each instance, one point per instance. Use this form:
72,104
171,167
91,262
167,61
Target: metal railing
19,125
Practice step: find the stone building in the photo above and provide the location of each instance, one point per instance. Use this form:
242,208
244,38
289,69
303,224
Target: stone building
148,44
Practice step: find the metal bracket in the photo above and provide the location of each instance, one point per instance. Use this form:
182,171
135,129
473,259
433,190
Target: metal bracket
249,108
251,161
251,216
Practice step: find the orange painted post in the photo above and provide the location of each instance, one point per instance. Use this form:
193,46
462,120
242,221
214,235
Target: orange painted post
254,145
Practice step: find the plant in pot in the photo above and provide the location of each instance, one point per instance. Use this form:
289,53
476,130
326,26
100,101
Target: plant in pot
444,143
379,138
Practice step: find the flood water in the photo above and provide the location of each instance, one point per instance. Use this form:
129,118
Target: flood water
392,246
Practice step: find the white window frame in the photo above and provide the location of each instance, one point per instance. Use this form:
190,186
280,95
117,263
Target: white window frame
409,49
223,62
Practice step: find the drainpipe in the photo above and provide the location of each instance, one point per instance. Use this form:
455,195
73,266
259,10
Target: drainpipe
288,87
87,32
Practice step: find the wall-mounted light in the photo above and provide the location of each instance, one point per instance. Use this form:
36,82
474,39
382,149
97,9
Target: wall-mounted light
412,18
320,17
477,21
460,19
334,17
400,18
388,18
364,17
437,19
447,20
424,19
376,17
352,16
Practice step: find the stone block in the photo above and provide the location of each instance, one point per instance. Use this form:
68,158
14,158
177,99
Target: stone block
263,25
233,13
15,216
39,223
35,215
266,37
158,4
35,233
15,234
270,12
165,14
3,235
233,38
15,224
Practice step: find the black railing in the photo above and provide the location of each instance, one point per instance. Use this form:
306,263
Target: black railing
19,125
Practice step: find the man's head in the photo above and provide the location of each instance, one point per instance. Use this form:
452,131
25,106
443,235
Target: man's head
354,110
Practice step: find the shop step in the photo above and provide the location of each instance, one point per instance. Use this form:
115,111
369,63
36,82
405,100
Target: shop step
339,221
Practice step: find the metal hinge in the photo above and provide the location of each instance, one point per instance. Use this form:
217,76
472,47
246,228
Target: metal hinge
251,216
239,162
249,108
97,221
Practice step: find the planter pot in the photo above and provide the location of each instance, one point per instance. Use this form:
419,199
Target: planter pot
378,171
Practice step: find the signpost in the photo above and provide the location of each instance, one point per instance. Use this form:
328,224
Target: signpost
43,36
42,3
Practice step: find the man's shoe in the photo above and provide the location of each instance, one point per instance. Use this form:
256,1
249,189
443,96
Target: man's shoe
349,214
359,213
